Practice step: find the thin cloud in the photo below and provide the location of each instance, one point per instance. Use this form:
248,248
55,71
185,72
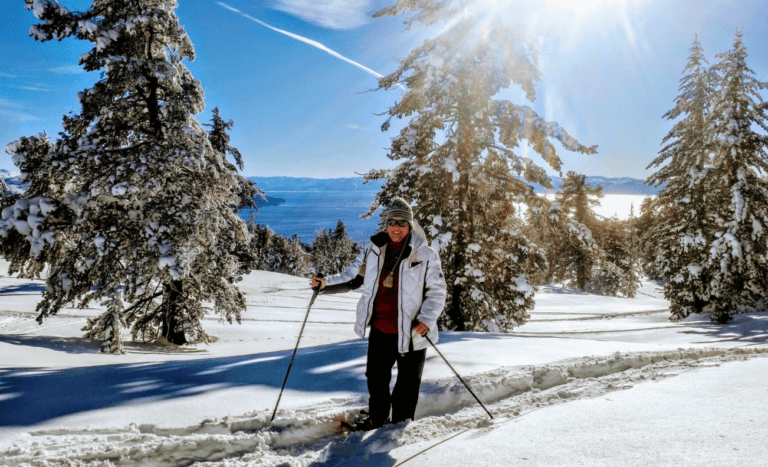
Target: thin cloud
356,127
33,88
6,75
303,39
332,14
6,111
7,103
19,117
67,70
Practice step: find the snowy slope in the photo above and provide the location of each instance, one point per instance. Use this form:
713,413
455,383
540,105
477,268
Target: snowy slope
563,388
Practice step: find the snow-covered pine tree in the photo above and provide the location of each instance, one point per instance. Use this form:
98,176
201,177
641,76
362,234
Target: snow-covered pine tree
262,239
737,191
276,253
132,206
612,273
681,236
545,227
289,256
297,261
651,213
581,251
457,154
333,251
345,249
219,138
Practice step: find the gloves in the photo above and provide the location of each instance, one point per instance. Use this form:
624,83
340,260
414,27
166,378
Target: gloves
421,328
318,281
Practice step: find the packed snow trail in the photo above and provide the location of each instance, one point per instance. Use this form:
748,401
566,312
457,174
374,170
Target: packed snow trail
309,436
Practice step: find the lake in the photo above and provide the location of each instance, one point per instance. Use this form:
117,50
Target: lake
304,212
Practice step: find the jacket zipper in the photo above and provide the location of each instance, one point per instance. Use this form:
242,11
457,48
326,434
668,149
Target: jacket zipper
369,307
404,334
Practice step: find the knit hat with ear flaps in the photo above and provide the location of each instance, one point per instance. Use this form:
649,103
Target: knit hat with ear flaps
400,208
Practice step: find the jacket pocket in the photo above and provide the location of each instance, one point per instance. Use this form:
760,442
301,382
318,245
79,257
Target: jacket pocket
413,276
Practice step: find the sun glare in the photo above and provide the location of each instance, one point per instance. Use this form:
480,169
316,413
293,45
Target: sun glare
581,6
554,6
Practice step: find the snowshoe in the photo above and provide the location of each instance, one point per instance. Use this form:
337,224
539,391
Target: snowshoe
363,422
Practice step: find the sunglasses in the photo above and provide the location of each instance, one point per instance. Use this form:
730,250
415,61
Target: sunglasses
396,222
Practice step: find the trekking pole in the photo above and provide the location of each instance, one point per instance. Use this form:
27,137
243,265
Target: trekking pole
314,295
457,375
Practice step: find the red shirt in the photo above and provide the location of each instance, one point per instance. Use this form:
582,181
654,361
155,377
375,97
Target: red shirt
385,306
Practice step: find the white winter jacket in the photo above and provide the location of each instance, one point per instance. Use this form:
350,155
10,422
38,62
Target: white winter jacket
421,292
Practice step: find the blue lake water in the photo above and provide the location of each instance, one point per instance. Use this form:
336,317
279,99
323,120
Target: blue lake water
304,212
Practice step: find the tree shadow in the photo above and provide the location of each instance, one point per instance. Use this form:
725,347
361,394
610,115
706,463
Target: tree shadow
750,328
80,345
28,288
457,336
545,289
33,395
71,345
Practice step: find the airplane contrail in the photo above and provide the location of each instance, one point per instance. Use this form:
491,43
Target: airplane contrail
315,44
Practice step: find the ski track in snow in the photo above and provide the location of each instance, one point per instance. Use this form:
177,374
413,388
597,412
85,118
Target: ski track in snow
308,435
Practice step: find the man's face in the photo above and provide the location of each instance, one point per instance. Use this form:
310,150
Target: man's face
396,232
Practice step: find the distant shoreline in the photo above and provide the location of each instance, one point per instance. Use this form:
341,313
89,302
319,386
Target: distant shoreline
611,186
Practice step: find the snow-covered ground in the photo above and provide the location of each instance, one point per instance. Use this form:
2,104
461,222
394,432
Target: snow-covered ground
588,381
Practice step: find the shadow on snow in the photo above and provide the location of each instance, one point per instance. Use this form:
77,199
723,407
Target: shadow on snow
33,395
750,328
29,288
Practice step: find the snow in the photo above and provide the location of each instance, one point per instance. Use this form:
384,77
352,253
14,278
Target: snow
610,205
588,380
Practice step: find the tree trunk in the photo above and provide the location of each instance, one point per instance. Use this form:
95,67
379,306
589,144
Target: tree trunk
455,312
172,318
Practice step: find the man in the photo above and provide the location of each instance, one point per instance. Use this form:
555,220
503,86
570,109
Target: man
403,295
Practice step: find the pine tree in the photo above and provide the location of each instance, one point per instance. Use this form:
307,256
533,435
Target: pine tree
297,261
681,237
132,206
631,261
457,158
276,253
652,212
262,239
612,273
333,251
545,227
219,138
737,192
581,251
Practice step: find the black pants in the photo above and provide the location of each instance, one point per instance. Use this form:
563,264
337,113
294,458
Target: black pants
382,355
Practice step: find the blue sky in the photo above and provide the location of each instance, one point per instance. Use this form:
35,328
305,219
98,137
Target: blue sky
294,75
